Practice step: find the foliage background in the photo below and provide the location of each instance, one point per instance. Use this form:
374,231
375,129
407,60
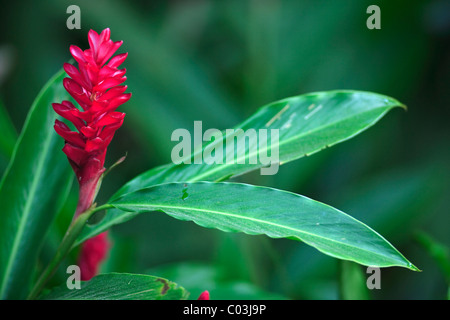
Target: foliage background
218,61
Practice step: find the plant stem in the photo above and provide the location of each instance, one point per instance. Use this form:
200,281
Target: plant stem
352,281
66,245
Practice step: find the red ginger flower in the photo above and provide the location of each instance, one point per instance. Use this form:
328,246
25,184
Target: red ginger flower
96,87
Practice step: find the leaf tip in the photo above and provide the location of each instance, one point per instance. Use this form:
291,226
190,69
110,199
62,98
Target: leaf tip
412,267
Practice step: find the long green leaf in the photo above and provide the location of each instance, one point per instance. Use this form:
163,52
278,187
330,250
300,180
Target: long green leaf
30,192
255,210
306,123
120,286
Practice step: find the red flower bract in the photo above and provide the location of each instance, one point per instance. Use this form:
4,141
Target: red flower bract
93,252
96,87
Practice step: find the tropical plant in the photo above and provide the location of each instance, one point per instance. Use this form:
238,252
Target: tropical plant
38,179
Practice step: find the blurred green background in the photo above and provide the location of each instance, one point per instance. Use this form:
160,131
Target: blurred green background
219,61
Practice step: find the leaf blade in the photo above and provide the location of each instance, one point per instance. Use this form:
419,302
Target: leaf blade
120,286
30,191
302,132
367,107
235,207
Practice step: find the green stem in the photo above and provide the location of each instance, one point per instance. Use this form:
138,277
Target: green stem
66,245
352,281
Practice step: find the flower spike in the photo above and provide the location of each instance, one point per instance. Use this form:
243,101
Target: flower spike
96,85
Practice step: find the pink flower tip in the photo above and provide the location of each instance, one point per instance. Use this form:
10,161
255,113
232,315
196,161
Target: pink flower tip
204,295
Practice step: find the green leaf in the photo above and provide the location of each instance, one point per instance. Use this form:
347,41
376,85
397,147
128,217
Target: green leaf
306,123
235,207
31,191
121,286
303,131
